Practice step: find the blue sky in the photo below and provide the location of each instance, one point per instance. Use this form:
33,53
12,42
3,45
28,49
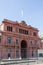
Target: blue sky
32,11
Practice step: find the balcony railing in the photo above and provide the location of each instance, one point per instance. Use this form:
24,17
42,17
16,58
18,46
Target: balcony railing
34,45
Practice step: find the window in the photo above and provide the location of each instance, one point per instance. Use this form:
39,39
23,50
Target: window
31,43
9,55
9,52
40,55
35,42
17,53
40,44
16,41
34,33
9,40
9,28
32,53
23,31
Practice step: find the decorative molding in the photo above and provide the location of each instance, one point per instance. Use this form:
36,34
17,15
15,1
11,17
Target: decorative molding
23,23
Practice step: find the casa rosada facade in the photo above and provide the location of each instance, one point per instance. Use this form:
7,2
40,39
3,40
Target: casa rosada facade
18,40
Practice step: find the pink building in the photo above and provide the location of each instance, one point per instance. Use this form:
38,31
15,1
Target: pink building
18,40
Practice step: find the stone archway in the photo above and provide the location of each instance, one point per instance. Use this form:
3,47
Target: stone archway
23,49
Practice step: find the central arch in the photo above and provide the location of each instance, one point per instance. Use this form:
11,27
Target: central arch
23,49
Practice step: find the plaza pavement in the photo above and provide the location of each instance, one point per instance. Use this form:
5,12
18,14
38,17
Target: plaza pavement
32,62
35,64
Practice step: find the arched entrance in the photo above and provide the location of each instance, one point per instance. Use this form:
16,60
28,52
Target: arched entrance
23,49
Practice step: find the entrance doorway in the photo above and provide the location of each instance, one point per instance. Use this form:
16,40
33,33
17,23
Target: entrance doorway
23,49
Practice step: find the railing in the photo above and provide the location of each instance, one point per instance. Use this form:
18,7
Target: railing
34,46
23,53
31,57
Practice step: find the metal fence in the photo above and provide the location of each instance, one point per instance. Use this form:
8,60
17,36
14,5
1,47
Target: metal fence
20,57
19,54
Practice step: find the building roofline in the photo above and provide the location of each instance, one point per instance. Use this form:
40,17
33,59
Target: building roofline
22,24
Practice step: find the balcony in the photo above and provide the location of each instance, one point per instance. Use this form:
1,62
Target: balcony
7,44
34,46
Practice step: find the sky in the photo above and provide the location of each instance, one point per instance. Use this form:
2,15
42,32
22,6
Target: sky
31,11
